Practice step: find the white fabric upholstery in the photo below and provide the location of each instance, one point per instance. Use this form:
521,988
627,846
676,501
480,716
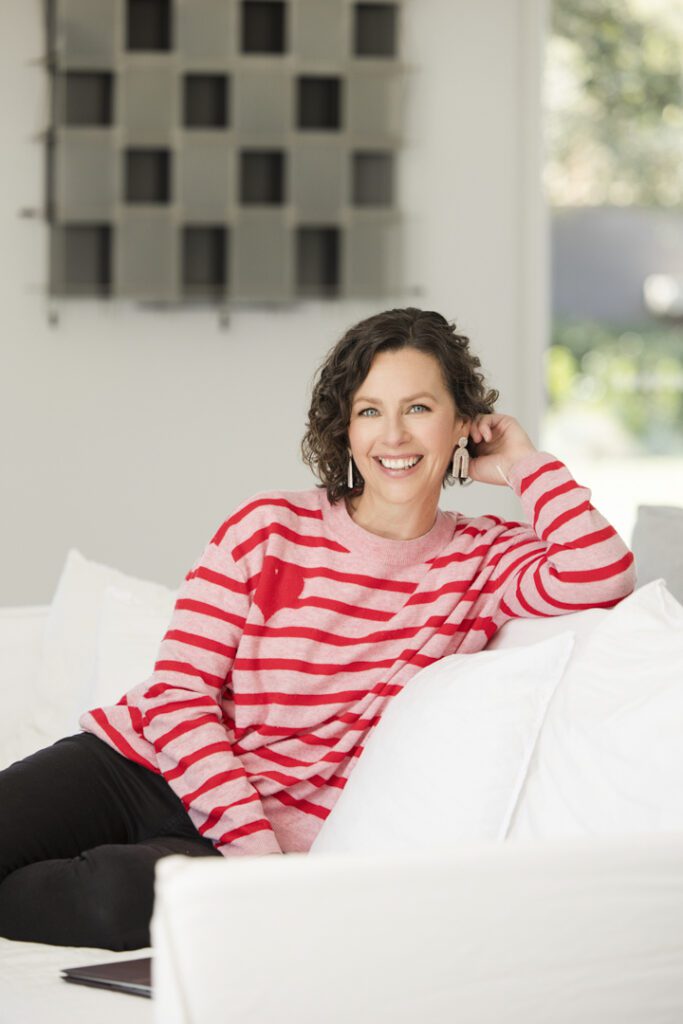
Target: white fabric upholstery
66,679
21,644
449,757
520,632
610,755
31,986
32,990
129,631
583,930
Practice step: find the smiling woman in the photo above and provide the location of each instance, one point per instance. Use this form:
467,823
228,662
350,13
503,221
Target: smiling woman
402,449
448,377
389,456
306,613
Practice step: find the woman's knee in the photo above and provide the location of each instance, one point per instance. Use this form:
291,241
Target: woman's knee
101,898
119,886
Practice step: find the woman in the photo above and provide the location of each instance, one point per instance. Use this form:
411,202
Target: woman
306,612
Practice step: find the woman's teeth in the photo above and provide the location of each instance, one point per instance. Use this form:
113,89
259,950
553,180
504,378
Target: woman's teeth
399,465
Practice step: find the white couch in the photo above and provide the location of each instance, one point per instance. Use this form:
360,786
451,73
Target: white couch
556,895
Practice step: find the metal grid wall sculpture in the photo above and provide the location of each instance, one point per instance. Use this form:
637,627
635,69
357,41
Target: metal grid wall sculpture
223,150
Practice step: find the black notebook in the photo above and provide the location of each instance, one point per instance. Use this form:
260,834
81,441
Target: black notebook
134,976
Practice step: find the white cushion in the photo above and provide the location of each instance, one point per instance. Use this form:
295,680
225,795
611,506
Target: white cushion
67,672
21,642
129,632
449,756
610,756
520,632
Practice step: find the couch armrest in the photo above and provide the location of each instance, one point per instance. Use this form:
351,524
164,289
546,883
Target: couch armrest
481,932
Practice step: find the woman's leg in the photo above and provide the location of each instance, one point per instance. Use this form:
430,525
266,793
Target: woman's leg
72,817
102,898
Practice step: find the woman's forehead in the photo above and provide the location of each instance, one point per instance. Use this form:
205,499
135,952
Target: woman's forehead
394,363
403,369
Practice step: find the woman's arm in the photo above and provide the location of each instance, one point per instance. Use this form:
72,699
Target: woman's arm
181,712
569,557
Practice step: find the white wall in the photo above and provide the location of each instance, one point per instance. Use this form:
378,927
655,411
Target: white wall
131,434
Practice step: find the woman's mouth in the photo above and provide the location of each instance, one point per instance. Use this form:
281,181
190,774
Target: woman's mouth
398,467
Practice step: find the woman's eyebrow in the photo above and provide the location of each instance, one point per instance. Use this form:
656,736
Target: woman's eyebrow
410,398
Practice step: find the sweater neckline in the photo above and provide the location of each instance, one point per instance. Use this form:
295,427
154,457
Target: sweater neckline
383,549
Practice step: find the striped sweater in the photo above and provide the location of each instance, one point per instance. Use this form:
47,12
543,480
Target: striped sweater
296,626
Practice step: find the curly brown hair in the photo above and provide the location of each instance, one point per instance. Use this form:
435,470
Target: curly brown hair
325,444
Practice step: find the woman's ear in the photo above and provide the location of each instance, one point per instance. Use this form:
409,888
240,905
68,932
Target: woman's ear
463,427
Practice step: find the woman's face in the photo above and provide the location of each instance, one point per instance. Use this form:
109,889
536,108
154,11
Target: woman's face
402,410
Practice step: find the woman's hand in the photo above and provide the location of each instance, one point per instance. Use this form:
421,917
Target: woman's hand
501,442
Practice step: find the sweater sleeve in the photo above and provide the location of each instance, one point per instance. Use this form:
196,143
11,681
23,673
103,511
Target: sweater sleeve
181,710
568,558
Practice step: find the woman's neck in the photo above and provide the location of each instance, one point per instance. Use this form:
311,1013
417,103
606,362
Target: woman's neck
397,522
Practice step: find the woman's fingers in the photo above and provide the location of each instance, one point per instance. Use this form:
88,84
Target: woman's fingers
482,427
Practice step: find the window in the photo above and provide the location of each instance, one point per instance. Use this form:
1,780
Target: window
372,179
149,25
263,26
262,176
87,259
87,98
318,261
319,102
375,30
206,101
204,254
148,175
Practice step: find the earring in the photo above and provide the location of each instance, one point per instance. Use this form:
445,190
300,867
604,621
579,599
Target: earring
349,478
461,463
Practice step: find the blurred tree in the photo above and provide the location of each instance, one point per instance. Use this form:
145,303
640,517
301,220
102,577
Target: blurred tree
635,377
614,99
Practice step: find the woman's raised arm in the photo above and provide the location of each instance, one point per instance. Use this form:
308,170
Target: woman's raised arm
568,557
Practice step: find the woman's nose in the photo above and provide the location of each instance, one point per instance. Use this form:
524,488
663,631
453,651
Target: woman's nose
395,428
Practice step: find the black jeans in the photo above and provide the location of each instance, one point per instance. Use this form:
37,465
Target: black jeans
81,828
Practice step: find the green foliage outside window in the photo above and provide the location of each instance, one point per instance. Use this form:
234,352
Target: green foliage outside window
635,377
614,136
614,102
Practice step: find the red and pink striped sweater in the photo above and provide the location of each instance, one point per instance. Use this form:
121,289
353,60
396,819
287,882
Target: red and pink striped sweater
296,626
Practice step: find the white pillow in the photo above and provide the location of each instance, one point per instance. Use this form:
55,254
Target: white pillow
447,760
68,664
521,632
21,644
610,755
128,637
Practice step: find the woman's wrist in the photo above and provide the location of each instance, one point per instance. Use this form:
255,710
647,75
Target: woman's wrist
507,463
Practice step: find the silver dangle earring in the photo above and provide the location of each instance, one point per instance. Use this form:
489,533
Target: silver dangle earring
461,463
349,478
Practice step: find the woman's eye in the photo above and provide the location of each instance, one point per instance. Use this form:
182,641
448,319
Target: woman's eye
417,405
